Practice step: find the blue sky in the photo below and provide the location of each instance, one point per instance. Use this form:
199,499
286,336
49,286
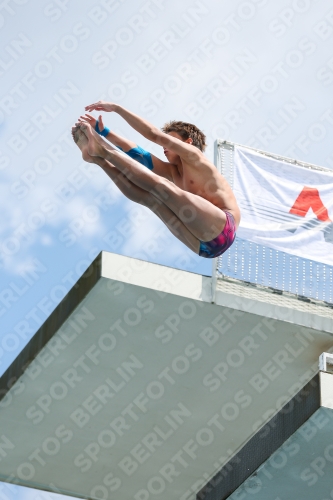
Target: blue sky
11,491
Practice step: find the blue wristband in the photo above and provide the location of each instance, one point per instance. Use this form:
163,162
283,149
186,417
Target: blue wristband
104,132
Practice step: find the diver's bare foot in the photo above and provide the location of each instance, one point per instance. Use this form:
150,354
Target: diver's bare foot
96,145
81,141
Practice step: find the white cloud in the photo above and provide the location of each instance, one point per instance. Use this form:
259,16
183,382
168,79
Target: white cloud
150,237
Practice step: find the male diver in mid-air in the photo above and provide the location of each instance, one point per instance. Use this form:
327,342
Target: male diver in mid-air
187,192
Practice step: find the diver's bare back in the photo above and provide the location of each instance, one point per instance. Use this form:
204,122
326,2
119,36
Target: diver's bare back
202,178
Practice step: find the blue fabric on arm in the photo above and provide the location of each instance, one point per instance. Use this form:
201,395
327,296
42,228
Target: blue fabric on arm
104,132
140,155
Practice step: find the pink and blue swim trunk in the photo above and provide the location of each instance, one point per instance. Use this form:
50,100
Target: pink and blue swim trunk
217,246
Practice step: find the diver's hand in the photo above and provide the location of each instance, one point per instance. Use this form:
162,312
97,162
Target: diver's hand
102,106
92,121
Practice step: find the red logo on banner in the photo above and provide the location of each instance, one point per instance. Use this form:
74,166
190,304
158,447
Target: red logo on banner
310,198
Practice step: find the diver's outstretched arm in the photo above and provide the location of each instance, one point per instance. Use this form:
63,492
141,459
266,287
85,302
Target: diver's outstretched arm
184,149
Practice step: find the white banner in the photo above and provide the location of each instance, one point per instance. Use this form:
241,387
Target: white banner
284,206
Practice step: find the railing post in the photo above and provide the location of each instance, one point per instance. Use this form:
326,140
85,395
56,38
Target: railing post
214,278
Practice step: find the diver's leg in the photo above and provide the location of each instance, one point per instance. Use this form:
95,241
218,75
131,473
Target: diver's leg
139,195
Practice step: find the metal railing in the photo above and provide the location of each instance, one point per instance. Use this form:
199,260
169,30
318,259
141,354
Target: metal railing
261,265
